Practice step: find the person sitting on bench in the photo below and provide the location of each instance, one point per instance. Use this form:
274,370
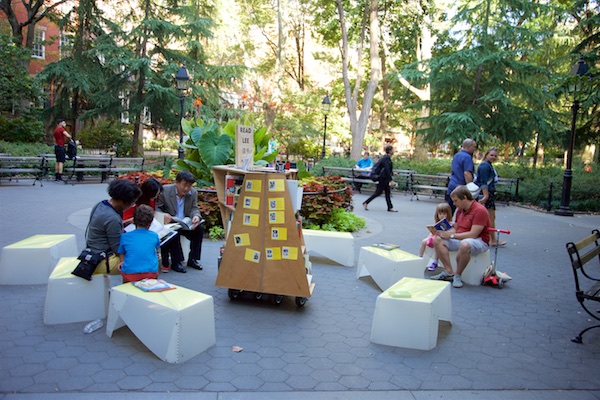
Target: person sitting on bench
365,163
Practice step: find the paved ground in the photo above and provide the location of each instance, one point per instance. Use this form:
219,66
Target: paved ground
503,344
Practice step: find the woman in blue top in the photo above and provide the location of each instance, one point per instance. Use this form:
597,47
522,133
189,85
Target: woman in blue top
486,180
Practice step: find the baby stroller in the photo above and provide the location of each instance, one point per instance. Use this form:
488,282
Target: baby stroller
491,277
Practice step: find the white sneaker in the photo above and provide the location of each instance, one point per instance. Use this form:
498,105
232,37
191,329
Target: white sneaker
457,281
432,266
442,276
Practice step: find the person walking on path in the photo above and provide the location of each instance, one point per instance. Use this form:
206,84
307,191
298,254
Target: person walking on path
385,169
462,169
468,236
486,180
60,133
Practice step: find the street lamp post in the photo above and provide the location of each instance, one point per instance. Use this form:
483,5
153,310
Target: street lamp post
580,70
325,106
183,79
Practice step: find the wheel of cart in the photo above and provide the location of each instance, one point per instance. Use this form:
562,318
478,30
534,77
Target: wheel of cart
277,299
301,301
233,293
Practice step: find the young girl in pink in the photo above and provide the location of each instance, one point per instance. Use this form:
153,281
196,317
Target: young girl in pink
442,211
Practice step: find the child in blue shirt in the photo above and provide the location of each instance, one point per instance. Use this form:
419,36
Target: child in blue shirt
139,249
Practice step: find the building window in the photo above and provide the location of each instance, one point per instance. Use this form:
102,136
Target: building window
39,48
66,44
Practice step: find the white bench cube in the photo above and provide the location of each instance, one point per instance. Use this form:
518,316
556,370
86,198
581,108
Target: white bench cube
473,273
336,246
175,325
31,261
387,267
70,298
411,321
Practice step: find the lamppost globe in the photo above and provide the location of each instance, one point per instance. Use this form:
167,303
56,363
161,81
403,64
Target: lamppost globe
325,106
580,69
182,79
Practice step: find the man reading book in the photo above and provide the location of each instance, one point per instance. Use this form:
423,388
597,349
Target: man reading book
469,235
178,201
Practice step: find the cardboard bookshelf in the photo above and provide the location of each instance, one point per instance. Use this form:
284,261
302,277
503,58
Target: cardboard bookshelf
264,250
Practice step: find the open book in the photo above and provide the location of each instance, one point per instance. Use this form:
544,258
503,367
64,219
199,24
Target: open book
186,223
165,232
442,225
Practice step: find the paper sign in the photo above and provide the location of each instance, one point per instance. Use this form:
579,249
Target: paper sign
276,185
276,204
252,256
243,239
289,253
278,233
273,253
250,220
253,185
251,203
244,143
276,217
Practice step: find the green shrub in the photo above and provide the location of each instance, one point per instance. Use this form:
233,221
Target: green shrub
216,233
103,134
19,149
344,162
22,129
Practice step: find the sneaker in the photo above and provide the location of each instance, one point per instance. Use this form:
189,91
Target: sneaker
442,276
432,266
165,269
457,281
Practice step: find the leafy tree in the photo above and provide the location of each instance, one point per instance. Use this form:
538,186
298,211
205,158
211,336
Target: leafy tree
15,82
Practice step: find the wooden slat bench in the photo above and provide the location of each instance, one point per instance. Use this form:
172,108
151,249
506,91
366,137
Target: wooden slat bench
349,175
88,164
15,167
433,185
582,255
121,165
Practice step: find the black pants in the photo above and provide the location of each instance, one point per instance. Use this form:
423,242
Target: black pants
173,246
382,187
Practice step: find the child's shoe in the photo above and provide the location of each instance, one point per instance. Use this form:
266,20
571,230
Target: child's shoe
432,266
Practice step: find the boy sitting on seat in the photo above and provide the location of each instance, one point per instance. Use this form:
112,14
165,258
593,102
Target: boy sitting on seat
139,249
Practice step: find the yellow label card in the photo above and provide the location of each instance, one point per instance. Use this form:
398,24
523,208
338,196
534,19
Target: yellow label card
242,239
276,204
289,253
276,185
273,253
252,203
250,220
252,256
276,217
253,185
278,233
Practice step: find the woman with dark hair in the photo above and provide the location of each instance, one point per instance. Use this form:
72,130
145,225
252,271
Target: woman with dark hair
103,233
151,189
385,168
486,180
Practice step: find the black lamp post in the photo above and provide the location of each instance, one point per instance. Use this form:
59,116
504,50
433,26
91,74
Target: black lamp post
580,69
325,106
183,80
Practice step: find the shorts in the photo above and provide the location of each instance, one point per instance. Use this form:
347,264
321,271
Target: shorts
60,153
478,246
138,277
490,203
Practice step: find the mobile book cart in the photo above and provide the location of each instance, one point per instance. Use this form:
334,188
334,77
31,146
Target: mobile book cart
264,249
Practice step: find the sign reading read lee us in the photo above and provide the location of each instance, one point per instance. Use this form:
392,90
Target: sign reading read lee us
244,144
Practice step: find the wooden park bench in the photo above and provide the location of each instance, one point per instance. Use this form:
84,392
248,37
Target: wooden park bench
433,185
15,167
123,165
349,175
81,165
582,255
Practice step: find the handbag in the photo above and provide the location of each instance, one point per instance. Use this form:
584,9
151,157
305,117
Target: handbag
376,172
89,261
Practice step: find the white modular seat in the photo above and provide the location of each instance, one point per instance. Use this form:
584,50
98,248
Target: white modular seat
473,273
175,325
408,313
387,267
31,261
70,298
336,246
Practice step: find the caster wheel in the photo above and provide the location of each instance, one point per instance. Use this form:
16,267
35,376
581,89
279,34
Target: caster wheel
500,283
277,299
300,301
233,294
258,296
